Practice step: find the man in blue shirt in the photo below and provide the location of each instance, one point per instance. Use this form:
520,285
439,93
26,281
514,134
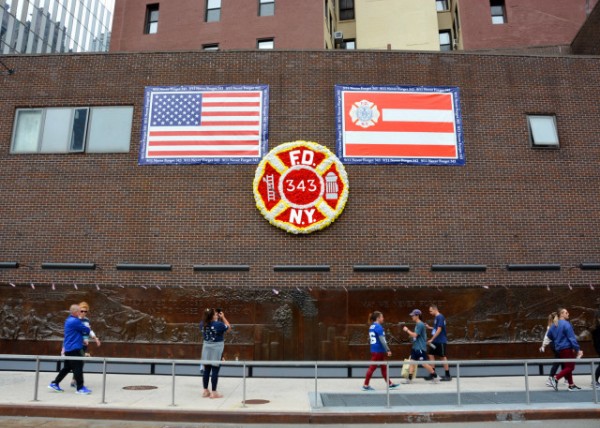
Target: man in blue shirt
379,349
437,343
73,346
419,346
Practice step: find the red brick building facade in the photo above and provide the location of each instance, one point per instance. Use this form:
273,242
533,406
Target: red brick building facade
182,25
511,204
524,23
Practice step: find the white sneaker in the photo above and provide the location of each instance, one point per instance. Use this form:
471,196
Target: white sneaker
549,383
406,382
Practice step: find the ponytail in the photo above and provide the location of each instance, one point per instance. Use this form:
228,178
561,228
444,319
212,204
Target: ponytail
373,317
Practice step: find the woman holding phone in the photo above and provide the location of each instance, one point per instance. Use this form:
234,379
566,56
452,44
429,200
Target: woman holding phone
213,327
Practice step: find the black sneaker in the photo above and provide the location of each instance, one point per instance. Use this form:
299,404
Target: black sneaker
574,388
446,378
554,383
428,377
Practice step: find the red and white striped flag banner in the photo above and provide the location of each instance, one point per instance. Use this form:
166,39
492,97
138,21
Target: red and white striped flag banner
399,124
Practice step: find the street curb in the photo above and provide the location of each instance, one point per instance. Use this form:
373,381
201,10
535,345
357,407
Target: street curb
299,417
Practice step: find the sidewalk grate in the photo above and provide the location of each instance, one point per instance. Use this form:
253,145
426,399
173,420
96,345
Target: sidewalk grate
139,387
370,399
256,401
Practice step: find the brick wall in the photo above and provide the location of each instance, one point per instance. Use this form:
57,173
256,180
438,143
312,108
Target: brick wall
182,26
587,41
527,23
508,204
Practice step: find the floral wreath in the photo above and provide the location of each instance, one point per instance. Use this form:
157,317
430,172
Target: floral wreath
300,187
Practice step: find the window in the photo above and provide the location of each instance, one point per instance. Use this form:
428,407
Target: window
498,11
349,44
456,24
445,41
151,26
266,7
210,47
213,10
441,5
265,44
72,130
346,10
543,131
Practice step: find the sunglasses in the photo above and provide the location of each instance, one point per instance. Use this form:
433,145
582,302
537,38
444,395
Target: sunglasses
83,312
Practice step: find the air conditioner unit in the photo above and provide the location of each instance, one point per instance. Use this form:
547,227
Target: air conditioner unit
338,35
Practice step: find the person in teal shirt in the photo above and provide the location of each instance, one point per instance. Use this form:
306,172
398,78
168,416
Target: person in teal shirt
419,346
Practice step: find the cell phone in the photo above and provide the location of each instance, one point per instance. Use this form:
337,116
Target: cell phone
219,310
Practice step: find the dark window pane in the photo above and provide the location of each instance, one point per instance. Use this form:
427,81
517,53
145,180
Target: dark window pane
346,9
79,127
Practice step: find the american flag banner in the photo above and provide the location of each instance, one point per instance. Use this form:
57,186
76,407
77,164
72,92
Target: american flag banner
399,124
204,124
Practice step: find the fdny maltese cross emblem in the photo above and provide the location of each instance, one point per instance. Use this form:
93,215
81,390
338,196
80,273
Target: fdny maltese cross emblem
364,113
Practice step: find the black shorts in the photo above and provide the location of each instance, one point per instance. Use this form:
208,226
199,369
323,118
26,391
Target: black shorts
439,351
416,355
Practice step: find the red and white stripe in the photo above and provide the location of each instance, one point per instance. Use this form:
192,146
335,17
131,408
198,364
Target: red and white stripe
411,125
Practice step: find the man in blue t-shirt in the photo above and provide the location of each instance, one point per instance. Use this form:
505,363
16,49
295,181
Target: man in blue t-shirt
379,349
437,343
73,346
419,346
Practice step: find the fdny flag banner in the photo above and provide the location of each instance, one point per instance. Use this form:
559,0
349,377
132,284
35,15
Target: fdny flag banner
204,124
399,124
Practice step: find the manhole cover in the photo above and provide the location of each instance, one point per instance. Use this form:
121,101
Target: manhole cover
139,387
256,401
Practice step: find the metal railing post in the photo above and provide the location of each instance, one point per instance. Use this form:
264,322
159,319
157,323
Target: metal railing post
244,385
316,384
387,383
37,379
594,386
527,399
173,385
458,384
103,382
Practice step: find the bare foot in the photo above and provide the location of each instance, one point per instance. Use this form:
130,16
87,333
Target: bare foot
205,393
215,394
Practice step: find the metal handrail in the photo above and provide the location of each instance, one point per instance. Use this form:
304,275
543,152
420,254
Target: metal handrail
316,364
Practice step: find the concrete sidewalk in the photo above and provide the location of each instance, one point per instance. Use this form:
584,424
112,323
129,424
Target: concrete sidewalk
277,400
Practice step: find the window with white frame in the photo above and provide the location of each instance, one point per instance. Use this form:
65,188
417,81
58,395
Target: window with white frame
441,5
72,130
213,10
266,7
210,47
265,44
445,41
543,131
151,26
498,11
349,44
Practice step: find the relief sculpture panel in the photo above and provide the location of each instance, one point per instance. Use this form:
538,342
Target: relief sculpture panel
288,324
